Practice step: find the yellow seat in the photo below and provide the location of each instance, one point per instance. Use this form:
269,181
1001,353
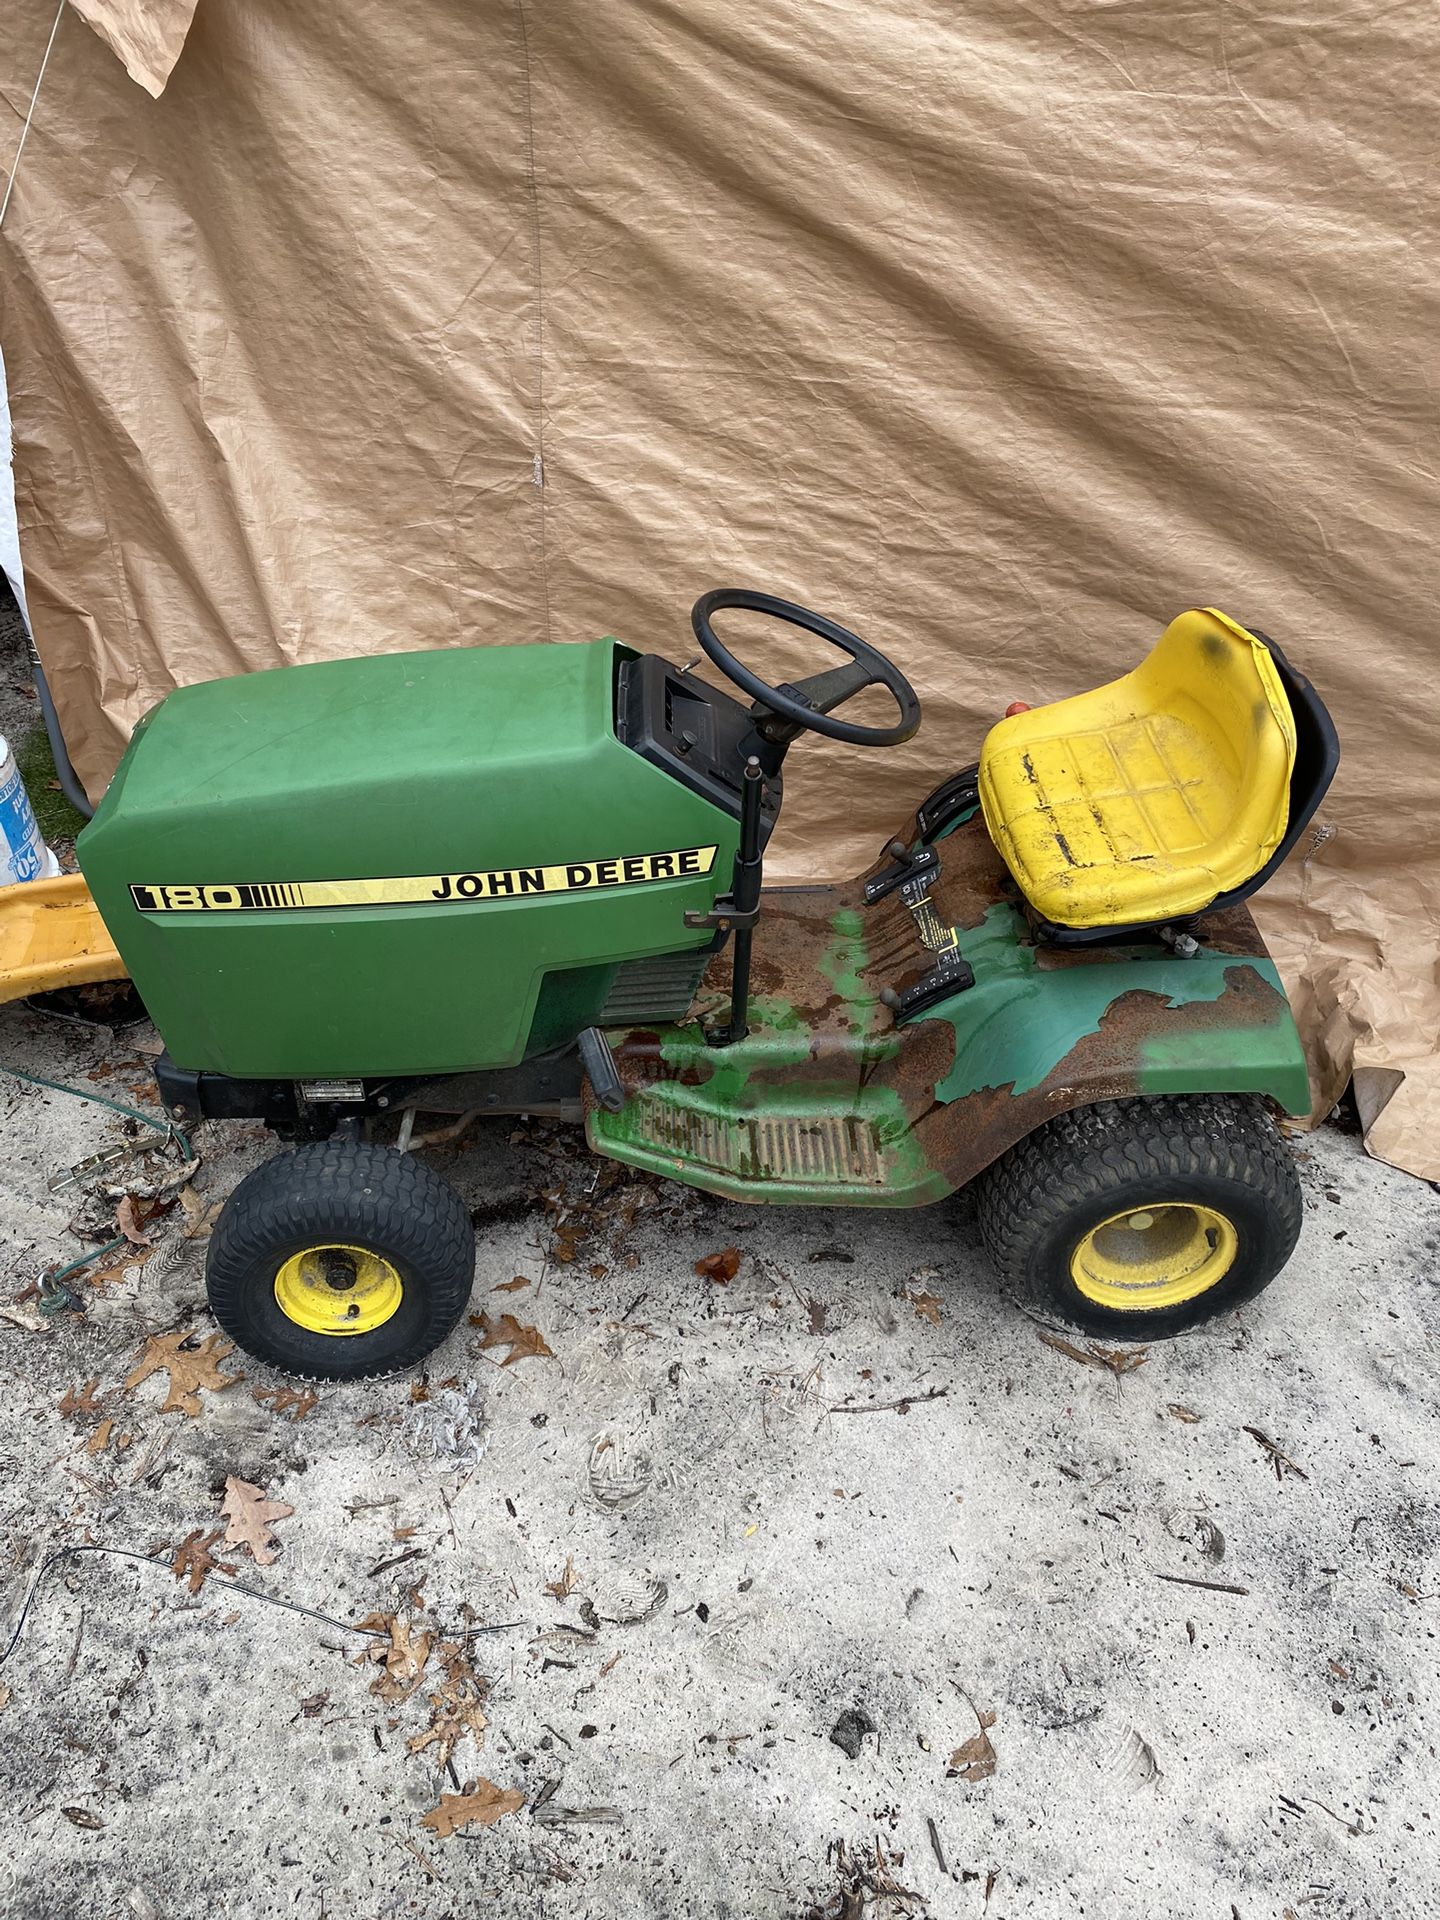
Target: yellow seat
1140,802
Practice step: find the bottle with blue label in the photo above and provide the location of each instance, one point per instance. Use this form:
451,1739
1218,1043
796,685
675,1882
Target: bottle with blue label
23,854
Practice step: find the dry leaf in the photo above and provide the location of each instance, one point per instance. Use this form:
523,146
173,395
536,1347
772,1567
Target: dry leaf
976,1759
315,1704
720,1267
129,1225
525,1343
455,1706
191,1365
134,1257
83,1817
565,1584
199,1218
927,1305
295,1402
1187,1414
5,1696
193,1559
100,1438
77,1400
252,1517
511,1286
403,1654
1116,1360
482,1805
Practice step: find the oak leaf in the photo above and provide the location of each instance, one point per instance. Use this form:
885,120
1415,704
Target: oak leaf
927,1305
720,1267
132,1258
511,1286
504,1330
402,1651
77,1400
296,1402
191,1365
482,1805
251,1518
455,1706
193,1558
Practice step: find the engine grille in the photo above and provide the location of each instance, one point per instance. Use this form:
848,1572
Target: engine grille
660,988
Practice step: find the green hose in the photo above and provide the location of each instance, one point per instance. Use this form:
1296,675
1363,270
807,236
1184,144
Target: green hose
115,1106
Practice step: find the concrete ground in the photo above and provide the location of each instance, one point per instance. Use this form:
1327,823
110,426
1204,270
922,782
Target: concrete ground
830,1589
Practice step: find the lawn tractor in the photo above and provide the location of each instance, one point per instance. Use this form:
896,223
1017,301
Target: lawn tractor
529,880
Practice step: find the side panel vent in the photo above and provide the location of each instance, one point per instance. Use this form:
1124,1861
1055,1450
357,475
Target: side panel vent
660,988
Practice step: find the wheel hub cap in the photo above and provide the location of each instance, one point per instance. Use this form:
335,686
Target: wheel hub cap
1155,1256
338,1290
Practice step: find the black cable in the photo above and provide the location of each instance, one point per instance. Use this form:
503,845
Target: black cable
231,1586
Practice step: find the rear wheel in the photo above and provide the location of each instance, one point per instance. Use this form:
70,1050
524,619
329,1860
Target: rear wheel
340,1261
1140,1218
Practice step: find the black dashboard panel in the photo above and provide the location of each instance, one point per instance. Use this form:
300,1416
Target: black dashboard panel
695,733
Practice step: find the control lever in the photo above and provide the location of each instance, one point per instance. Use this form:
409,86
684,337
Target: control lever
905,866
740,908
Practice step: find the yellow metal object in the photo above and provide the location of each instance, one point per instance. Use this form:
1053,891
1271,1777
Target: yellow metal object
1149,1257
1144,799
51,935
338,1290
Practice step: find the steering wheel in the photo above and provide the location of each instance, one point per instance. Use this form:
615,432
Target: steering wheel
807,705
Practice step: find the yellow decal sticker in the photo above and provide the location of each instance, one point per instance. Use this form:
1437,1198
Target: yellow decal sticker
440,889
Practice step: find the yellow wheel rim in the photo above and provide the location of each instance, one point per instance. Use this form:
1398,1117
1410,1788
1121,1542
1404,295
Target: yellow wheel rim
1158,1256
338,1290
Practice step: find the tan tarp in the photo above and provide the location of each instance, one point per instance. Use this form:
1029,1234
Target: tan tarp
1001,333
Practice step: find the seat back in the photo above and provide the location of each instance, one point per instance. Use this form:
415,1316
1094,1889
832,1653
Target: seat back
1317,755
1315,758
1217,682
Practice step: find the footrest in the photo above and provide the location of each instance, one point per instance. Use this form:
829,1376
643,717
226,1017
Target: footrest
806,1156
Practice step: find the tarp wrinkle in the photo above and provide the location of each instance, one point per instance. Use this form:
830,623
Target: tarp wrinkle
1001,335
145,35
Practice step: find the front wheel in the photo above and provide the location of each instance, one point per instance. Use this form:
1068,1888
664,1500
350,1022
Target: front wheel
341,1261
1140,1218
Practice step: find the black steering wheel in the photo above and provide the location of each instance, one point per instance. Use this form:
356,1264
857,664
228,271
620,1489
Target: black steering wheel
807,705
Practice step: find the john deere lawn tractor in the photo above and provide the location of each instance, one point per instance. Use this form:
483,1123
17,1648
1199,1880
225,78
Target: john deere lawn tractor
530,880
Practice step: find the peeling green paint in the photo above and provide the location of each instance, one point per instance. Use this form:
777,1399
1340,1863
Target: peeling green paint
1018,1022
844,960
815,1106
1267,1059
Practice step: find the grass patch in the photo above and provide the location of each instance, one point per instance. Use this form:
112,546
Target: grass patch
58,819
